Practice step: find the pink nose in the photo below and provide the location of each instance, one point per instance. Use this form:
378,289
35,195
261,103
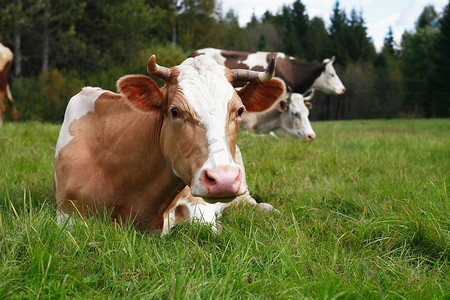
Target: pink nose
342,91
222,182
310,137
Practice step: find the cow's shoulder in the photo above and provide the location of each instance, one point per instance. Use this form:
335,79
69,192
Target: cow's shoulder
79,106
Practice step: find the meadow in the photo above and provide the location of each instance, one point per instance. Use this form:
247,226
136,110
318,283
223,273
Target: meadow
364,213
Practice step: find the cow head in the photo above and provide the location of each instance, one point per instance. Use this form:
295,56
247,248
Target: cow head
200,115
328,81
294,117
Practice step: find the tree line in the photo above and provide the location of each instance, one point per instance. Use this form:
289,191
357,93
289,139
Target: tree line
59,46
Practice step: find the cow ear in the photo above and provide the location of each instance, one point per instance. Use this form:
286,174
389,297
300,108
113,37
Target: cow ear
141,92
308,105
261,96
282,105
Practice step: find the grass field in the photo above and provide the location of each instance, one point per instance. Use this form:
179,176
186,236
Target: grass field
364,214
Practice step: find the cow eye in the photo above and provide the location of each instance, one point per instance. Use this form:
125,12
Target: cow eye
175,112
240,111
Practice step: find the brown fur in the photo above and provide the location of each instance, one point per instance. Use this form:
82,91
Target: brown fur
122,157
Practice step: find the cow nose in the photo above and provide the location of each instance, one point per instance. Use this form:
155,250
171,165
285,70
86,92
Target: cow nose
343,91
310,137
222,182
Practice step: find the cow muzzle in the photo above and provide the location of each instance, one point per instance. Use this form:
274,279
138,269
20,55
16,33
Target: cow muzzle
222,182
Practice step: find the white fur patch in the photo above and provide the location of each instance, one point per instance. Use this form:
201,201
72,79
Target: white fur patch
328,81
259,59
214,53
61,219
256,59
208,91
79,105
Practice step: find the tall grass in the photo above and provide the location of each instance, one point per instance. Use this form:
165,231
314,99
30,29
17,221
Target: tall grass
364,214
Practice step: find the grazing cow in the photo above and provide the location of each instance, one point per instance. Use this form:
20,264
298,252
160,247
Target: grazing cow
288,114
6,58
131,153
298,76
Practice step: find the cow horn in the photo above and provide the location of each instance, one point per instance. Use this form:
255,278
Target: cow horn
156,70
255,76
309,97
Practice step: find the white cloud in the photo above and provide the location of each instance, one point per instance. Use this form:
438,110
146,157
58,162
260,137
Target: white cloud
379,15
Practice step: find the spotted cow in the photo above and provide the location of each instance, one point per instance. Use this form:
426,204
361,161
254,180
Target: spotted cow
130,153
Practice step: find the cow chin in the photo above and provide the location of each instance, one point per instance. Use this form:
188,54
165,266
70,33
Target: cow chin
216,200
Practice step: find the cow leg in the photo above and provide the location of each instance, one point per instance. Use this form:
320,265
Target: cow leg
192,209
9,96
2,107
67,220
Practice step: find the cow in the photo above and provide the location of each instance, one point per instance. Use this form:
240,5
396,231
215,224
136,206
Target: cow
127,155
288,114
6,58
298,76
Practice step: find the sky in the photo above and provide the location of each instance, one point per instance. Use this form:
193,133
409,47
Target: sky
401,15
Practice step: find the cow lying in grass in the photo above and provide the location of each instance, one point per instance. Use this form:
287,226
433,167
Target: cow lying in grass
130,153
289,114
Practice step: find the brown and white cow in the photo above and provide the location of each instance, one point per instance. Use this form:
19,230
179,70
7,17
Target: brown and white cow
299,76
6,58
130,153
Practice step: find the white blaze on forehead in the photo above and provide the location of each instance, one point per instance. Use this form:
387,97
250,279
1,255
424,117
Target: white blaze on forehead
297,104
80,105
208,91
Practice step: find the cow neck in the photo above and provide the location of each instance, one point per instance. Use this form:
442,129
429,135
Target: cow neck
161,184
304,76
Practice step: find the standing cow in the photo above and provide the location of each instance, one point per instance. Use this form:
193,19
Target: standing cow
298,76
6,58
131,153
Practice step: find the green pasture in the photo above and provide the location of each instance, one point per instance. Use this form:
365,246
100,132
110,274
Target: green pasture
364,213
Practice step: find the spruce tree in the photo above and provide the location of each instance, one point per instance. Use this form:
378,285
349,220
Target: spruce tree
441,95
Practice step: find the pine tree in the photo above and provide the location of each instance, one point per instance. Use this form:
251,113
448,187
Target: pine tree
317,41
339,34
389,43
441,95
428,17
